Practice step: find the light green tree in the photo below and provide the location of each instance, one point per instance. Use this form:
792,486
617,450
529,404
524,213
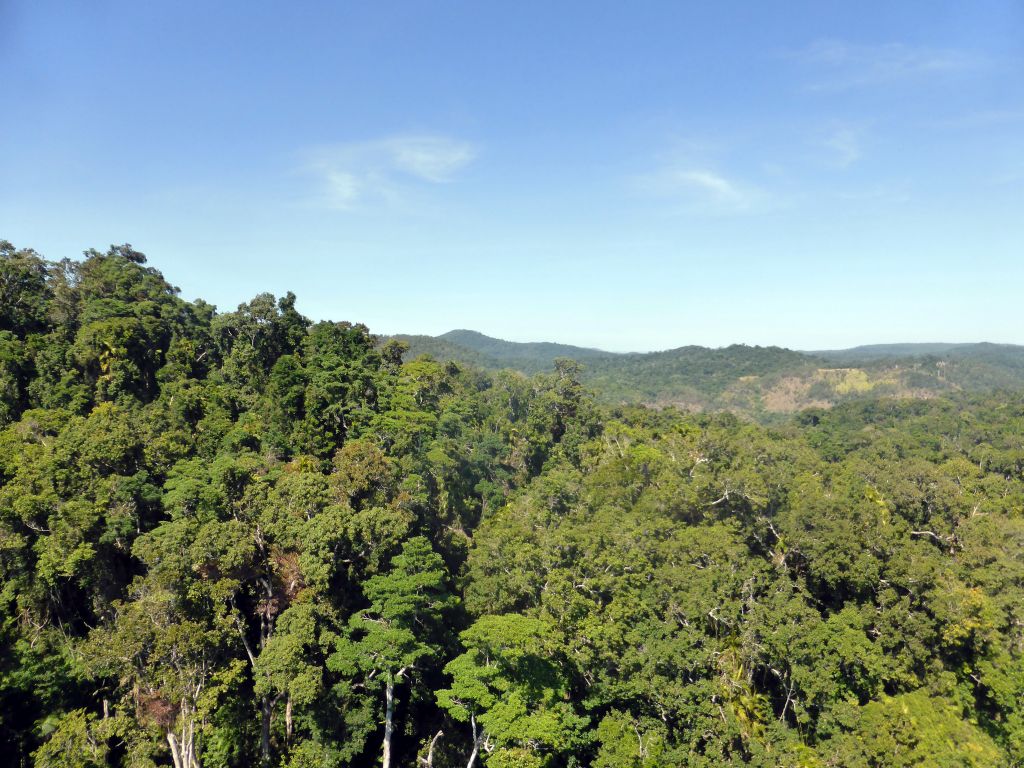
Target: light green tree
512,693
391,638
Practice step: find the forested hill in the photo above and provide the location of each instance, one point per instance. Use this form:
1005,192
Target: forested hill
242,538
530,357
1002,352
488,352
757,381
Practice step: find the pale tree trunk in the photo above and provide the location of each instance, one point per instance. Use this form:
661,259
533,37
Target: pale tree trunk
267,703
267,706
389,711
183,745
172,741
183,749
266,718
288,719
428,761
476,743
193,758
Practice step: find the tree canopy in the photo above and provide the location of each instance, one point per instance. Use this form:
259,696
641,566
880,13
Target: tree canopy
247,538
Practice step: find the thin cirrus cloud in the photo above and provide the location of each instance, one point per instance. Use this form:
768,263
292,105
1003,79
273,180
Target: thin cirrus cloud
845,145
840,65
383,172
698,190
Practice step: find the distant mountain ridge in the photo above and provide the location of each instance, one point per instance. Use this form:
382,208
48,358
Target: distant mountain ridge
500,348
758,381
877,351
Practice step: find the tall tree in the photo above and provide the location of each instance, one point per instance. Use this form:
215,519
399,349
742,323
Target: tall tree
395,635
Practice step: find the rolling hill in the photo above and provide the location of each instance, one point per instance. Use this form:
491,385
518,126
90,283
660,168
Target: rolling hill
759,381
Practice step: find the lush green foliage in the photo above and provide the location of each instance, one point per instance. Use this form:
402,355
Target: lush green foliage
756,381
243,538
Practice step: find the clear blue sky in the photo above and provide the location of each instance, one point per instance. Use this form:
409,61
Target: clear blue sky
631,176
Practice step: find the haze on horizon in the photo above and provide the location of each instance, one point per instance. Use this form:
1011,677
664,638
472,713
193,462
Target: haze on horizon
625,178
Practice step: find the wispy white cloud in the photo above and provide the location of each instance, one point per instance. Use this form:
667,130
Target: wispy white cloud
845,145
839,65
430,158
716,186
363,174
698,189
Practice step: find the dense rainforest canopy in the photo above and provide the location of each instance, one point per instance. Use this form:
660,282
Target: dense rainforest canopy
243,539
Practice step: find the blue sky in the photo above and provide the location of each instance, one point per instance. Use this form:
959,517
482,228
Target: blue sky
632,176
